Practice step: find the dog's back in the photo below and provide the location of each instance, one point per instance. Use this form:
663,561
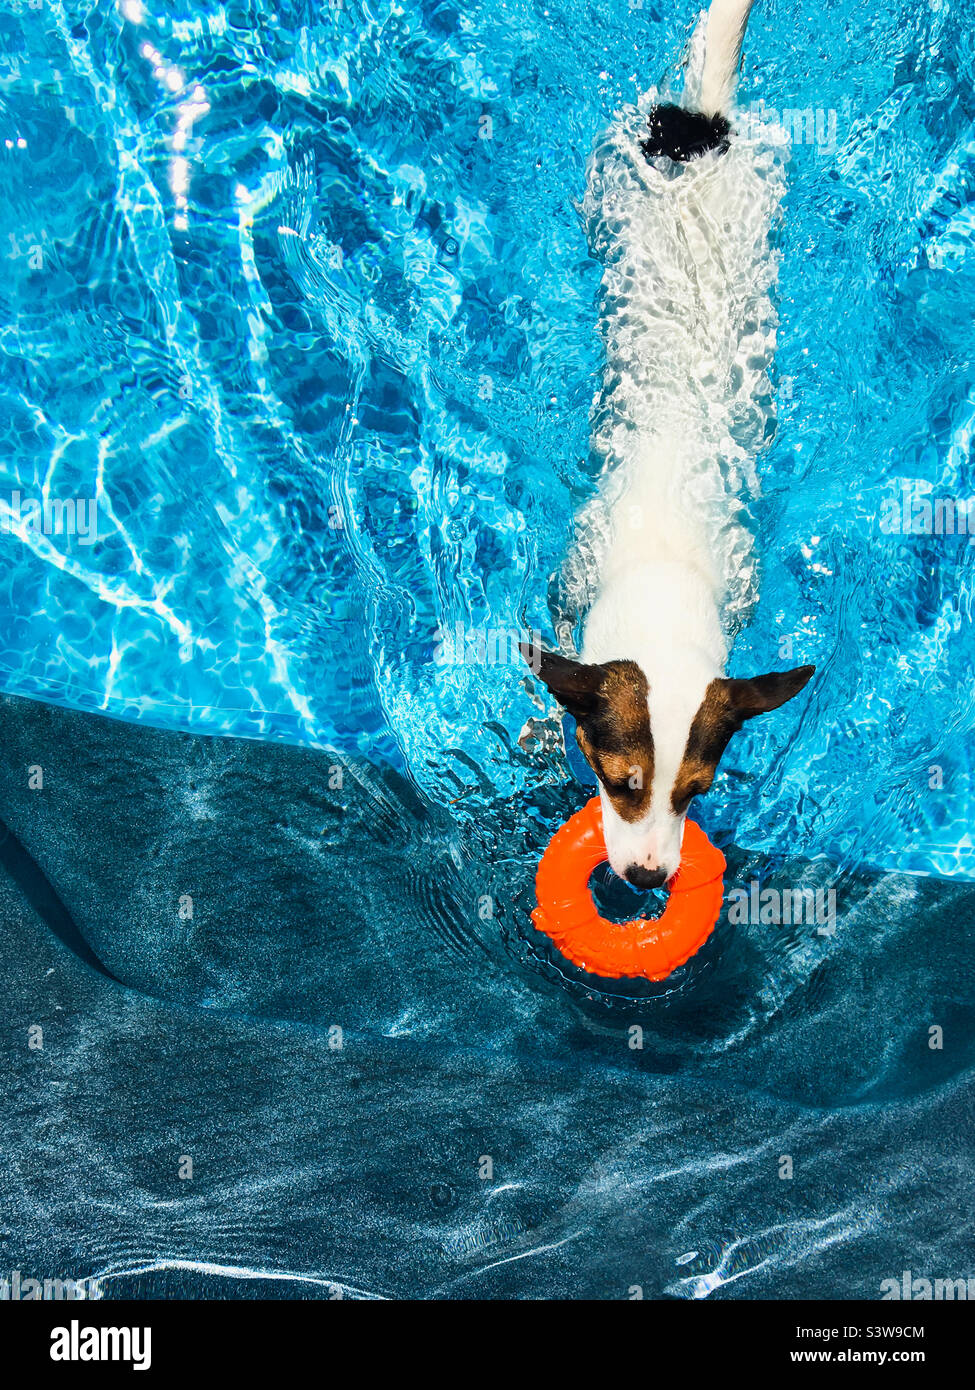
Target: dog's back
689,330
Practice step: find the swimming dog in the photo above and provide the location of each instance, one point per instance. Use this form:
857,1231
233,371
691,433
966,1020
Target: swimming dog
681,208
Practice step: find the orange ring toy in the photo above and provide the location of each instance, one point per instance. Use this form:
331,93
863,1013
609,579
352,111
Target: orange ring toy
651,949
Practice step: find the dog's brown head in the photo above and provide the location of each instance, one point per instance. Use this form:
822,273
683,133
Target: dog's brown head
647,786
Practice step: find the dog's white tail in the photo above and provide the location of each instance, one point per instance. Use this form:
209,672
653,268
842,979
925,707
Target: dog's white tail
727,20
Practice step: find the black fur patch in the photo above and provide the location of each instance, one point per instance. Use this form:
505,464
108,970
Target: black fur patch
683,135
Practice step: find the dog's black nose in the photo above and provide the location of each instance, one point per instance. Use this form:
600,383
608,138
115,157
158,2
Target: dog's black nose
645,878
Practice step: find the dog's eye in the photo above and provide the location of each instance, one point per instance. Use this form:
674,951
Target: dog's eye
696,788
615,787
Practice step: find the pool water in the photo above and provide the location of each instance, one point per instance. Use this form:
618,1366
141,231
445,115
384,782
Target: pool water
303,302
299,316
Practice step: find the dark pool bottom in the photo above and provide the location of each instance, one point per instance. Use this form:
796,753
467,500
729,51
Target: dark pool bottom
378,1107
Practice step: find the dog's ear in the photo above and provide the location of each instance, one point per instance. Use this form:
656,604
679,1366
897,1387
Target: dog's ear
574,684
760,694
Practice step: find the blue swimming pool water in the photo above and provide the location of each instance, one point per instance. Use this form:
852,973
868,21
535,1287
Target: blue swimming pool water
300,298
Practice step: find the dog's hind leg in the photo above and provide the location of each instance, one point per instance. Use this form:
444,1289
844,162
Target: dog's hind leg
681,134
